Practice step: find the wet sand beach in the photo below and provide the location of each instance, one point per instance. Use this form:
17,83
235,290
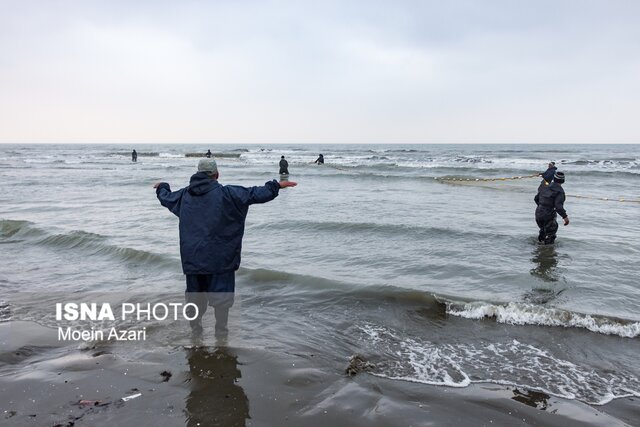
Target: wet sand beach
227,386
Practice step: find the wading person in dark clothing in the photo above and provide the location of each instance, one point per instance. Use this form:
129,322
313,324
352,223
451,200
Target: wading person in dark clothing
320,160
548,174
212,220
208,154
550,201
284,166
134,156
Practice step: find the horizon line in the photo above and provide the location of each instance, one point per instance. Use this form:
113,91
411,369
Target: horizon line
315,143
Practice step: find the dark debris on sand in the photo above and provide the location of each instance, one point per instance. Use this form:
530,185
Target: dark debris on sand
357,364
166,375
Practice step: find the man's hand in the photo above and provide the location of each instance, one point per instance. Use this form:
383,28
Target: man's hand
156,184
566,220
284,184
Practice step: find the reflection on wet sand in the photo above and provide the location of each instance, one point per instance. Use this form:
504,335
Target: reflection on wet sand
215,398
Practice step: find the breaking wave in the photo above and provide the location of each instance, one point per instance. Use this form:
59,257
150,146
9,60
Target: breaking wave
515,313
5,311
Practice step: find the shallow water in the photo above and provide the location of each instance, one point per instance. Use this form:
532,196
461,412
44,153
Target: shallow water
382,251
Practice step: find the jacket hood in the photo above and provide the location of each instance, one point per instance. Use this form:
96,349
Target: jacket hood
200,184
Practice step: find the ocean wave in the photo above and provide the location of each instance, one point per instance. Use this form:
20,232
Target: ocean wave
472,159
5,311
90,244
327,289
140,153
215,155
620,161
413,159
507,362
10,228
164,154
515,313
390,150
382,228
626,173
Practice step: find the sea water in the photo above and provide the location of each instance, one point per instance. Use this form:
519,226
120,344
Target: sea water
420,257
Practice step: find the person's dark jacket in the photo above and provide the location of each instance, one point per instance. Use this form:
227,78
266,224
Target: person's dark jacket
550,199
212,221
284,166
548,174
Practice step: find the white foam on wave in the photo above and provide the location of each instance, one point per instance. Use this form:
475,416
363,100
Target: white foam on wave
40,159
529,314
427,160
171,155
5,311
510,363
427,363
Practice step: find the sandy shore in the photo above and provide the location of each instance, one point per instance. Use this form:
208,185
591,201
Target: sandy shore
49,384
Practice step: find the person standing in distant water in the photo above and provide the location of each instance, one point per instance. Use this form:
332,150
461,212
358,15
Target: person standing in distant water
284,166
211,222
208,154
548,174
320,160
550,200
134,156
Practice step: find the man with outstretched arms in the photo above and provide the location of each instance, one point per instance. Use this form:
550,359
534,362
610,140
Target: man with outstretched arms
212,218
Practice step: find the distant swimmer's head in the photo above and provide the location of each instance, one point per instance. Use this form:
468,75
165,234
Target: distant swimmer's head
209,166
282,157
558,177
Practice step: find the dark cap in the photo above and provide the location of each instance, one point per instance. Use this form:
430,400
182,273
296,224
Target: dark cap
558,177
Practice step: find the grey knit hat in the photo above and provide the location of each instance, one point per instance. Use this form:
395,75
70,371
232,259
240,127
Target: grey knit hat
558,177
207,165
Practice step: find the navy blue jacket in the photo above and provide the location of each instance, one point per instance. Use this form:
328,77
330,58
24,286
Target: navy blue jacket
212,221
548,174
550,199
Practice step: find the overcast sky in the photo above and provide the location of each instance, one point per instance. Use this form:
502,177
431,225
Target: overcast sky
320,71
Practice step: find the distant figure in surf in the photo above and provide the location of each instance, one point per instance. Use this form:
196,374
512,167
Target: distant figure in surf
208,154
212,218
320,160
547,175
134,156
550,201
284,166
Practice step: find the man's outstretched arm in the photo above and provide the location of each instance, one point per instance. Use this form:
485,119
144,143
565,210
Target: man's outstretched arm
168,199
266,193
